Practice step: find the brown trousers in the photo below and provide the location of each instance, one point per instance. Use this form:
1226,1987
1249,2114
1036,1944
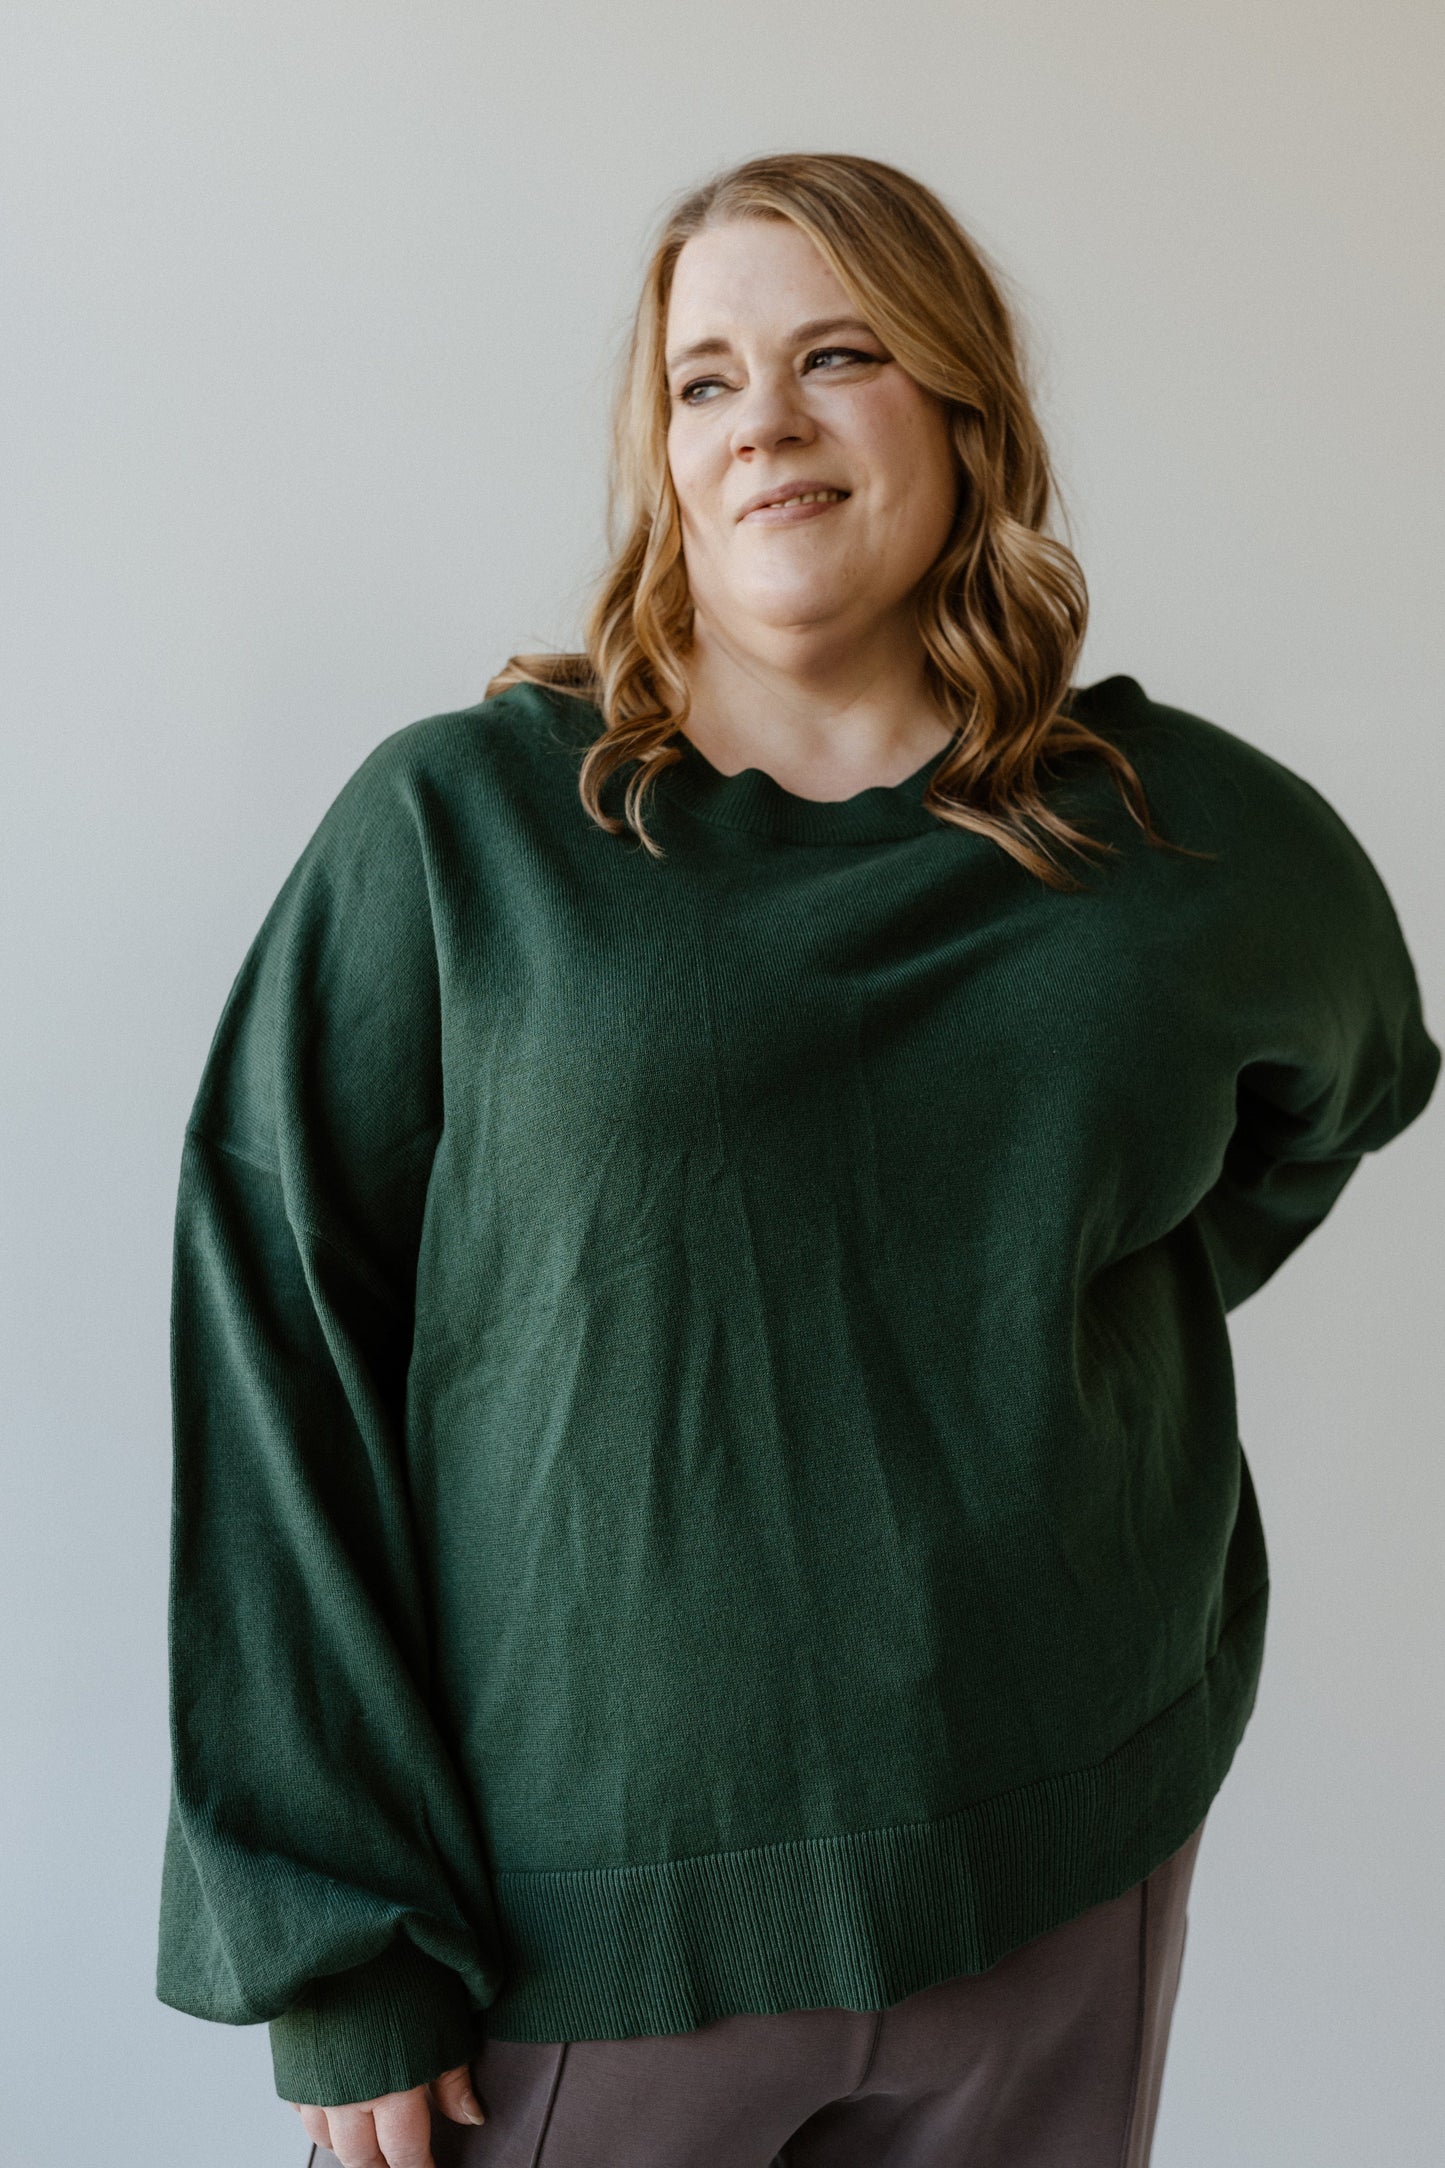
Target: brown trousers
1051,2059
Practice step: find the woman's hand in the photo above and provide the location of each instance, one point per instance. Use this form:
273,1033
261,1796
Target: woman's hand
393,2131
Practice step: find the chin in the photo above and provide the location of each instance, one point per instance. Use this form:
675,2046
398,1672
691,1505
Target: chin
805,608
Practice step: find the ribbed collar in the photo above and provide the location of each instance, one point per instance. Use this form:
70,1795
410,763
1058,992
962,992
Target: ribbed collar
754,800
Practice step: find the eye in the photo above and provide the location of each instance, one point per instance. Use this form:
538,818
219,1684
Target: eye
700,384
843,354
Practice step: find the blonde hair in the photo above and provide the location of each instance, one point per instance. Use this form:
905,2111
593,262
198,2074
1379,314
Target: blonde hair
1002,611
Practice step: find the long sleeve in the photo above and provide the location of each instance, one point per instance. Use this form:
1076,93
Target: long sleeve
322,1870
1340,1060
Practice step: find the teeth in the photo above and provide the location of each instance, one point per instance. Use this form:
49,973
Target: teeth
811,496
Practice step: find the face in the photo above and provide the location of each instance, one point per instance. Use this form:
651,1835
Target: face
778,391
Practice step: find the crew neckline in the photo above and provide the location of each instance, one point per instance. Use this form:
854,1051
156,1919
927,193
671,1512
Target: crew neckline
752,799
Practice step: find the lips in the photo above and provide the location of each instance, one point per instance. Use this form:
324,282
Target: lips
805,494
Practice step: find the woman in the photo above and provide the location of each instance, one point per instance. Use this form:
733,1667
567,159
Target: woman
715,1580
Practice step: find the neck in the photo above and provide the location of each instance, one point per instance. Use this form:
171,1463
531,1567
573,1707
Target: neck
824,717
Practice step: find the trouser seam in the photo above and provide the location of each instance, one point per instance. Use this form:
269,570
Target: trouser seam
536,2161
1140,2025
872,2052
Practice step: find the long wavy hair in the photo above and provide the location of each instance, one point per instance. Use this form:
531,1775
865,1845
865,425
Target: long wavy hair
1002,611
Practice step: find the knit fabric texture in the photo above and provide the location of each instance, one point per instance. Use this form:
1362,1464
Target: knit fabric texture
707,1474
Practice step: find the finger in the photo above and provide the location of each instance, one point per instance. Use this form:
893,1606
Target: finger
314,2123
454,2096
354,2138
403,2129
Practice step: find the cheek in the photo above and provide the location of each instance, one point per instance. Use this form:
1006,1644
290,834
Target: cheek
938,499
934,471
928,512
907,442
694,480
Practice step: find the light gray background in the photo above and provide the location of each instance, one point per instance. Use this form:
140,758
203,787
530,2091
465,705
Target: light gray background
310,315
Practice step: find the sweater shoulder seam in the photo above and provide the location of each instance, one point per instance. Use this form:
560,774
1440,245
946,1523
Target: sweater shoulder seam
328,1237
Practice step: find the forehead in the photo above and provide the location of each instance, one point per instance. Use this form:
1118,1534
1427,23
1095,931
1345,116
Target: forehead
750,274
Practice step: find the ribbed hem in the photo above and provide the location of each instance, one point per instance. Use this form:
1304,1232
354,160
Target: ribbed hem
397,2022
857,1922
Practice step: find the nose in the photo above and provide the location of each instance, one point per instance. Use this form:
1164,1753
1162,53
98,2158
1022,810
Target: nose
770,413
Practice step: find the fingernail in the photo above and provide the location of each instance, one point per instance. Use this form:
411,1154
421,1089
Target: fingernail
472,2108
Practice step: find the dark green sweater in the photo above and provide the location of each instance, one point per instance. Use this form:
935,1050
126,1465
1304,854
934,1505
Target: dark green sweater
707,1474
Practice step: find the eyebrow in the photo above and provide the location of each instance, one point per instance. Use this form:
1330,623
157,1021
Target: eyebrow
818,328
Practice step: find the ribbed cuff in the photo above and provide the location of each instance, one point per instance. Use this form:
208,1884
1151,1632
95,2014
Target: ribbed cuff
399,2021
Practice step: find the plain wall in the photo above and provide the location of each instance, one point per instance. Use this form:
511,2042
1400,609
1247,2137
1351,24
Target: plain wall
310,317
